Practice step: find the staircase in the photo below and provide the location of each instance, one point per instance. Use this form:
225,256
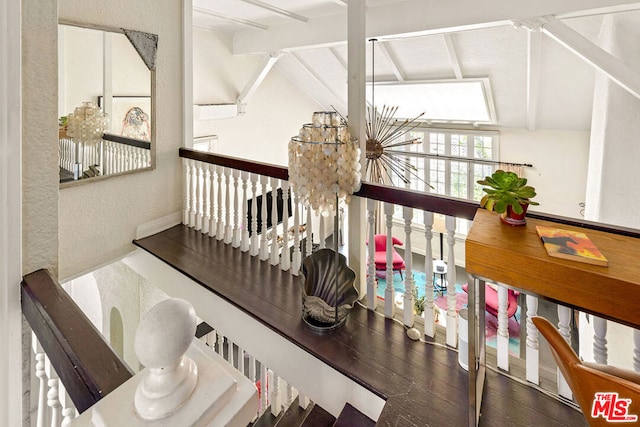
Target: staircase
314,416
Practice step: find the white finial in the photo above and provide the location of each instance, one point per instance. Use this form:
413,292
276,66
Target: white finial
162,339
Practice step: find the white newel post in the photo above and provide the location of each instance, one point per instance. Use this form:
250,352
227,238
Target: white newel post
452,316
183,384
407,214
372,288
600,340
532,352
389,294
428,314
503,329
564,319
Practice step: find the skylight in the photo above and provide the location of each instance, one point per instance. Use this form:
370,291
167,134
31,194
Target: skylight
467,101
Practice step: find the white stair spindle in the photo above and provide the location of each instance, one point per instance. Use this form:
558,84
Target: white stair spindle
235,241
53,401
275,393
274,252
285,256
407,214
452,317
636,350
297,254
264,243
372,286
290,394
600,340
428,315
532,351
68,411
41,420
194,195
229,354
199,195
564,319
228,227
210,339
240,360
254,215
212,196
322,232
220,340
186,208
503,329
206,189
389,293
309,246
303,400
264,388
220,224
244,231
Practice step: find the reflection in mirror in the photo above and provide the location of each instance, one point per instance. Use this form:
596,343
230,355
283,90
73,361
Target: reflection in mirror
106,81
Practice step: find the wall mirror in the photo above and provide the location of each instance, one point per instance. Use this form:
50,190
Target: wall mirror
106,102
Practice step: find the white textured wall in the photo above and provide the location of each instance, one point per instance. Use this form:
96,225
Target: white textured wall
559,160
97,220
273,115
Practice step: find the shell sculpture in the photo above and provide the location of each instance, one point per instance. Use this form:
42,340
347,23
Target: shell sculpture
319,299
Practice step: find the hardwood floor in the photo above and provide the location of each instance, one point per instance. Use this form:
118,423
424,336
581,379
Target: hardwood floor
421,382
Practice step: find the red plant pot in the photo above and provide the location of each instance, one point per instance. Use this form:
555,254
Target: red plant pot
514,219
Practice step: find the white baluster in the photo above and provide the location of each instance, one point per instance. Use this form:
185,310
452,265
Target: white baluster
274,253
252,369
275,392
636,350
503,329
428,315
264,244
389,293
186,208
290,394
68,409
452,317
206,189
199,196
309,246
322,232
235,241
600,340
564,318
297,254
532,352
213,222
285,257
254,215
194,194
53,401
407,214
220,223
228,227
264,388
244,241
372,286
303,400
240,360
210,339
220,338
41,419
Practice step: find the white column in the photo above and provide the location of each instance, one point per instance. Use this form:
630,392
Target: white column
389,294
407,214
532,352
285,260
372,288
503,329
600,340
564,320
428,315
452,318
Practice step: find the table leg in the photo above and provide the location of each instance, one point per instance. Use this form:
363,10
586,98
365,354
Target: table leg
477,347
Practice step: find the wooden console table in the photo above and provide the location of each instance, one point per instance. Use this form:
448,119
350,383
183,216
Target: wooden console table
516,258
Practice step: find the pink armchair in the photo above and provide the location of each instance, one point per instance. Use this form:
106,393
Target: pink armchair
380,256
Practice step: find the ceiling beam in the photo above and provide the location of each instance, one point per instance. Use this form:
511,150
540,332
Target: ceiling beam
341,61
453,55
275,9
407,18
386,51
316,76
256,81
534,58
231,19
616,70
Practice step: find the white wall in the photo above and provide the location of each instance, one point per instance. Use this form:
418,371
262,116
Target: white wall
97,220
559,159
273,115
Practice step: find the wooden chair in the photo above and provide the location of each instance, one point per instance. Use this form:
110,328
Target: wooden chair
606,394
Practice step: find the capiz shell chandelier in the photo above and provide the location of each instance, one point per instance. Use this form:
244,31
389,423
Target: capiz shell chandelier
87,123
324,163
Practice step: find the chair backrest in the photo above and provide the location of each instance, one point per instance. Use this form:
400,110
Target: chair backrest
381,242
603,397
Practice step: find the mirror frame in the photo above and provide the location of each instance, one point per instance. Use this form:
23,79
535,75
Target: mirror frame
114,137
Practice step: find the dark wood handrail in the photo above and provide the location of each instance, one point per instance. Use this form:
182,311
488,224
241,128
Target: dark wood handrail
86,364
127,141
436,203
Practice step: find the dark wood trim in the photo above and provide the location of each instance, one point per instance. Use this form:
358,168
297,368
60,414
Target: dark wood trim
127,141
86,364
259,168
607,228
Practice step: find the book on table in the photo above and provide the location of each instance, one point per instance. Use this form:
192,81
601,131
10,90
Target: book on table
572,245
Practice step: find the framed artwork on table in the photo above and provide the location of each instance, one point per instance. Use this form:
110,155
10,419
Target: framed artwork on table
130,116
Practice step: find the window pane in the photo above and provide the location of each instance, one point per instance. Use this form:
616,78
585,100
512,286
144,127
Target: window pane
482,147
459,145
437,175
436,143
480,171
459,177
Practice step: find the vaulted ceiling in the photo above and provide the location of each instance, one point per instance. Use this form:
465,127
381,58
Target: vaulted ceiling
535,82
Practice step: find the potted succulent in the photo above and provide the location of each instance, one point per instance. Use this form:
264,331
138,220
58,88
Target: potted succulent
509,195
